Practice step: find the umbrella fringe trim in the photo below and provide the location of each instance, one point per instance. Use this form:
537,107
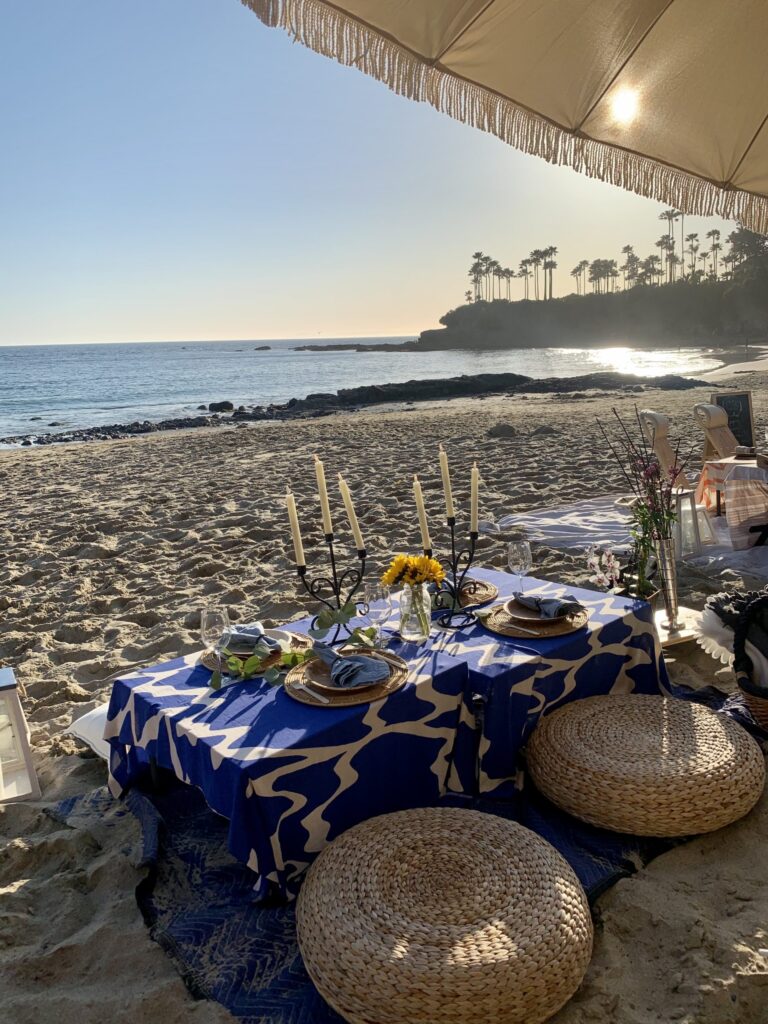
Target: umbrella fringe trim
335,34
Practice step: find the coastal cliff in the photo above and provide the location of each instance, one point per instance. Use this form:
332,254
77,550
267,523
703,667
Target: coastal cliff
682,313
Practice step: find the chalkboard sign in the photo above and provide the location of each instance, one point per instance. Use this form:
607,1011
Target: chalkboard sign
738,405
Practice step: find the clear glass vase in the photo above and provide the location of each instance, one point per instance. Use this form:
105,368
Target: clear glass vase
665,552
415,613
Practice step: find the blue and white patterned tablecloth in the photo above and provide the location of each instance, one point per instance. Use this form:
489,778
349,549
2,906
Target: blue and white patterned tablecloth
289,777
511,682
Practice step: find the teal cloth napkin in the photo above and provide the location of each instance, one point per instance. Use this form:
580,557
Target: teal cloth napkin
251,634
550,607
352,669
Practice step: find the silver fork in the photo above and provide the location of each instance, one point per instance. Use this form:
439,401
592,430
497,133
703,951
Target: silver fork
312,693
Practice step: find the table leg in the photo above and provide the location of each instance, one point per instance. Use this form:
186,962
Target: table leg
718,503
478,710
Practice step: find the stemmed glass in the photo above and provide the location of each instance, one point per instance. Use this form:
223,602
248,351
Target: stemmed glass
378,598
215,629
519,559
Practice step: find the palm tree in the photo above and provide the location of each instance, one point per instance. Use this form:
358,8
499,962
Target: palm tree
525,273
692,240
535,258
652,267
468,296
714,234
576,275
584,266
508,275
548,255
670,216
487,268
627,251
704,256
498,274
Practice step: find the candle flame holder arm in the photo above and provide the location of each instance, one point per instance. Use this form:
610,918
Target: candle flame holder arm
335,590
448,597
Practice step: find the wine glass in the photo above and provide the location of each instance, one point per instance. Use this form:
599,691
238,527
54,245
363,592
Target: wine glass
215,629
519,559
378,598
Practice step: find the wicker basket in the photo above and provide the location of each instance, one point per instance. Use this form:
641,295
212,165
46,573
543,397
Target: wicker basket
647,765
446,915
754,691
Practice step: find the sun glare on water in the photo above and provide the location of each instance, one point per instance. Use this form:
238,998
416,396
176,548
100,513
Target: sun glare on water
650,362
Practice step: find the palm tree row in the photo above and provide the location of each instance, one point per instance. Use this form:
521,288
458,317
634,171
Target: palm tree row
490,280
487,275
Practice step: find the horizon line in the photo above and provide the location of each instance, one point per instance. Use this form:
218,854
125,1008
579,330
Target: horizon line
208,341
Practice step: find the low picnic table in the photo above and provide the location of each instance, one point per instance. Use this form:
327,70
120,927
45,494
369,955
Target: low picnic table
291,777
512,682
745,488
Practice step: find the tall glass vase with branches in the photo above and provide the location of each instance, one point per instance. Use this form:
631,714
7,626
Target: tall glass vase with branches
653,508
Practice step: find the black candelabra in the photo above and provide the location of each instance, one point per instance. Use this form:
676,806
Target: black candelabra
335,590
456,587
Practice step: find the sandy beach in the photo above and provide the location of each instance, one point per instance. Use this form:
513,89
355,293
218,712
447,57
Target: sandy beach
109,551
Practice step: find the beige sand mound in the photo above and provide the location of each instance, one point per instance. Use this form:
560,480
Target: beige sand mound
108,553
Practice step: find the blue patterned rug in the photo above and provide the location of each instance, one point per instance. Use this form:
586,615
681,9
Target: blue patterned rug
197,902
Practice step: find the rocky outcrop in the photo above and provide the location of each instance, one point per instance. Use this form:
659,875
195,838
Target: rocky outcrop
220,407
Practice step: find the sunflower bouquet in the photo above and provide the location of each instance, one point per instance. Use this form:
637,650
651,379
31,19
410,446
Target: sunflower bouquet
414,573
411,570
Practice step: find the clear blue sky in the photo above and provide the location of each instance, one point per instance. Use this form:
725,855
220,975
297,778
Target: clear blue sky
172,169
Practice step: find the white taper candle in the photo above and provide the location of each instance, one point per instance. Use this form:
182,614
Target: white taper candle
449,510
473,502
322,490
346,497
426,540
293,518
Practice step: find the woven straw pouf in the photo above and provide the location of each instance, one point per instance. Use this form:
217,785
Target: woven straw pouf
652,766
443,915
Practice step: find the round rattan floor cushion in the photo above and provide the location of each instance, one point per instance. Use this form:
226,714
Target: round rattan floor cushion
443,915
652,766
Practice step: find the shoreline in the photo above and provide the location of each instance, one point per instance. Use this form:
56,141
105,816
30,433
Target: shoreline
408,393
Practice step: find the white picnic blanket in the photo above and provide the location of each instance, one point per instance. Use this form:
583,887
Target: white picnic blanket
597,522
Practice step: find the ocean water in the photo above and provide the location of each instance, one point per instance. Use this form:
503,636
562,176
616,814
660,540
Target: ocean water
92,385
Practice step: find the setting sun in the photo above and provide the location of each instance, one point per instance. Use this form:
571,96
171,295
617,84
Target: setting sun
624,105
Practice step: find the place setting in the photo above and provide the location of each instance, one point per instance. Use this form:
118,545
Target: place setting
530,616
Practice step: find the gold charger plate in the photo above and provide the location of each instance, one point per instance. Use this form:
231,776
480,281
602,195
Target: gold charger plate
298,643
477,592
528,616
316,673
473,594
498,621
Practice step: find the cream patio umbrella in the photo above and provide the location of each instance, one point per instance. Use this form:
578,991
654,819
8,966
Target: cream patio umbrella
667,98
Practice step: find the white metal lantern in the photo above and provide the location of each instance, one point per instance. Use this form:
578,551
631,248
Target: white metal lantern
18,779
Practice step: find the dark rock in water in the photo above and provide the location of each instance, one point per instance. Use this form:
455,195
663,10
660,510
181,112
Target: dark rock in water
33,418
609,380
432,389
320,399
545,428
203,407
262,348
220,407
55,423
503,430
26,443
